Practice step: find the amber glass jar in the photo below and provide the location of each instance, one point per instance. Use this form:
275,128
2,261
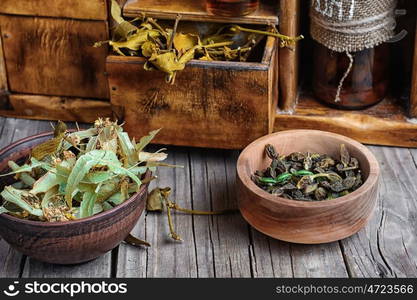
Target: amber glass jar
365,85
232,8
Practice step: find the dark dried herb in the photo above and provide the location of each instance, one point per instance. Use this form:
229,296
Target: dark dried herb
309,176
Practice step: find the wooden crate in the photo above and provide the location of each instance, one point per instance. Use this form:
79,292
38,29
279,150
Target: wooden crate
47,52
387,123
212,104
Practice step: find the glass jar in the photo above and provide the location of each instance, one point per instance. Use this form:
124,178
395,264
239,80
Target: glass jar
365,85
232,8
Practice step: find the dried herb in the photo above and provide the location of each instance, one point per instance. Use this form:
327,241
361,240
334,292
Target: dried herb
79,174
309,176
158,199
168,50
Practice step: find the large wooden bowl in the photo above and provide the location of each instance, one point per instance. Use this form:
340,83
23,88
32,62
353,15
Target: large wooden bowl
66,242
300,221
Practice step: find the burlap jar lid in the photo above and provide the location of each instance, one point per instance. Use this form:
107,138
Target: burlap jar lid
352,25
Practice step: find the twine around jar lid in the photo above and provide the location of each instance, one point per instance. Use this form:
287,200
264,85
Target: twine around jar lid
352,25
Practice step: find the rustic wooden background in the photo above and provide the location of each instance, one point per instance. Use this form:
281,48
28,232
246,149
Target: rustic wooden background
226,246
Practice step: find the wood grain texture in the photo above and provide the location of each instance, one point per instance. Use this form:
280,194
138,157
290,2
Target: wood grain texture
167,258
50,56
192,10
308,261
413,96
234,97
300,221
98,268
223,245
77,9
3,74
55,108
288,74
387,246
383,124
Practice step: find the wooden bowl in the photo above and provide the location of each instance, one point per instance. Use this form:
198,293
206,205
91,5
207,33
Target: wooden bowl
66,242
300,221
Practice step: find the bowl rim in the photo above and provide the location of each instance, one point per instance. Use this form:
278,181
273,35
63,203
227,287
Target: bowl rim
101,215
363,189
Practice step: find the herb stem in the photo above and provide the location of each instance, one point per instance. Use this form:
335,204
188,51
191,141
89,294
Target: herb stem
174,235
216,45
274,34
175,206
174,32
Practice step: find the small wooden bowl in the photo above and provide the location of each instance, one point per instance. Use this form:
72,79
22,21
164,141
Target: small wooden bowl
66,242
300,221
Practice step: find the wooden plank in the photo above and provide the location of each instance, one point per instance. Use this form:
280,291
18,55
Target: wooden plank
288,76
382,124
234,99
55,108
413,95
192,10
132,261
270,257
3,74
99,268
167,258
55,56
387,246
222,242
78,9
324,260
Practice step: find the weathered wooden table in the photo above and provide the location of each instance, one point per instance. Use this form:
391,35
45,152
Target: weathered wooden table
226,246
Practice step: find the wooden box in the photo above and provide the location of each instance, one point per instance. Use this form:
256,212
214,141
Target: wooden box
391,122
48,67
212,104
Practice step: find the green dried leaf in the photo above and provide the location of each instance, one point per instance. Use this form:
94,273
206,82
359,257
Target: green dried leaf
115,199
149,48
99,176
3,210
116,12
23,176
49,195
152,157
23,169
107,206
87,205
166,62
155,201
134,41
15,196
128,149
184,42
145,140
45,183
83,166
